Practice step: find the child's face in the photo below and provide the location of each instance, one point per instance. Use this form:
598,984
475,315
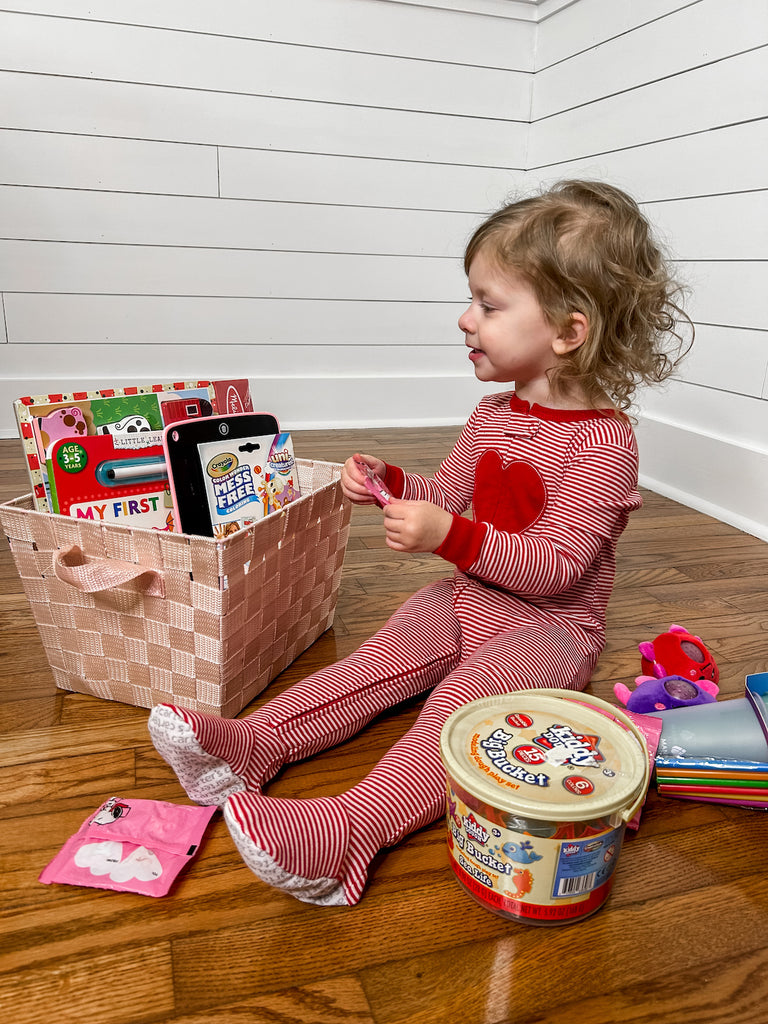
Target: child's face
506,331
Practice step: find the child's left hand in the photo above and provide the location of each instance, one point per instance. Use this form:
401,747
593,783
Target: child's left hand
416,525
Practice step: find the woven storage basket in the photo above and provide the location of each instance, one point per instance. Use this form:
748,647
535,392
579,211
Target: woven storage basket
146,617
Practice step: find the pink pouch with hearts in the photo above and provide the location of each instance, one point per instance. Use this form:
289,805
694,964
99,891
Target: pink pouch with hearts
131,846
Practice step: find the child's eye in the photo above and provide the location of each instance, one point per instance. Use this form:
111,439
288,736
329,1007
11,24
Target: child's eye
483,305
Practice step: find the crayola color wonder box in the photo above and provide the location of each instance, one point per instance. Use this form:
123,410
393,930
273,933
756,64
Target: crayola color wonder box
233,471
247,478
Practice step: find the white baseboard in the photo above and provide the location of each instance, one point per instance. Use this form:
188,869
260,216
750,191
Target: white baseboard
715,475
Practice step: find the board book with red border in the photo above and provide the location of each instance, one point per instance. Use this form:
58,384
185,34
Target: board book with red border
137,412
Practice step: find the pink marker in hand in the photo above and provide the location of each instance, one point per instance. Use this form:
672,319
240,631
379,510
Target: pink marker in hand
375,484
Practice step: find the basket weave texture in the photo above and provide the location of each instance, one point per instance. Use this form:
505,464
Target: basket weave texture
147,617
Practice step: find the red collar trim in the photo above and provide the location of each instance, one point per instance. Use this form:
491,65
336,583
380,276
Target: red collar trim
562,415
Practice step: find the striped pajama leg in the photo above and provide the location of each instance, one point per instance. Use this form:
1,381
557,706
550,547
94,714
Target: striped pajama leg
215,757
320,850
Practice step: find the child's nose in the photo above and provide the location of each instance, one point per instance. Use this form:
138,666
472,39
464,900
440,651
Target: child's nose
466,323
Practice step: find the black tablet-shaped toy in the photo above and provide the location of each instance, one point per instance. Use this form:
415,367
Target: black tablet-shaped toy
185,470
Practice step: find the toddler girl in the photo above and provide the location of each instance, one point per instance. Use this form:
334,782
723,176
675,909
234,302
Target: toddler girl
571,301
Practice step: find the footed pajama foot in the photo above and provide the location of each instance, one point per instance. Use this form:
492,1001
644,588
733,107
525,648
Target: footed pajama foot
302,847
203,751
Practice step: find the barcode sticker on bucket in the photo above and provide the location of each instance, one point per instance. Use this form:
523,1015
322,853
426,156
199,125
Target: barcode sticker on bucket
584,864
576,886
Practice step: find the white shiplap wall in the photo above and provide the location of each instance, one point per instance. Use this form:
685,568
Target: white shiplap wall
669,99
282,191
278,191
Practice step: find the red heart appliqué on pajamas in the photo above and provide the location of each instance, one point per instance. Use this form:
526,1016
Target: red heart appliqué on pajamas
512,497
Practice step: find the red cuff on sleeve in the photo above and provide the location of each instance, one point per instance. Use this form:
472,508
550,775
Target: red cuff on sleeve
463,543
394,479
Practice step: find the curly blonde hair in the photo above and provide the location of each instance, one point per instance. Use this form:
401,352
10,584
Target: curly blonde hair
585,246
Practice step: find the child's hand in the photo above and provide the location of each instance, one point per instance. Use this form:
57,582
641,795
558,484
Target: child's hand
353,478
416,525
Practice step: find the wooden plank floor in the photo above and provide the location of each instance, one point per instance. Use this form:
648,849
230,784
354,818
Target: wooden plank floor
682,938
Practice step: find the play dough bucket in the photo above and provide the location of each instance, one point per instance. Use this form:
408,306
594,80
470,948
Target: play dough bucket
540,786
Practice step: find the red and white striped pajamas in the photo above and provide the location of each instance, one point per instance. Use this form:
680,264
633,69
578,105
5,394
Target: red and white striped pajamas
551,492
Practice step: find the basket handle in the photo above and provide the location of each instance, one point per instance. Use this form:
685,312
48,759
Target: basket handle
93,575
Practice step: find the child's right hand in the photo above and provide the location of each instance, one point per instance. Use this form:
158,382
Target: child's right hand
353,478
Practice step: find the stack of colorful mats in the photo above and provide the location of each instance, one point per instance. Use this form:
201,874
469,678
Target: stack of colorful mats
717,779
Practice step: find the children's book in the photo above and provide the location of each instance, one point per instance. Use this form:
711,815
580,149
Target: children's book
135,414
96,478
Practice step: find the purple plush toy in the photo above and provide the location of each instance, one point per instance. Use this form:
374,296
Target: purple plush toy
652,694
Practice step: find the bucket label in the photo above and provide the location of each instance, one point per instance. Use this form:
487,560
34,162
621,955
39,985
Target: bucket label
558,744
585,864
569,747
560,876
495,749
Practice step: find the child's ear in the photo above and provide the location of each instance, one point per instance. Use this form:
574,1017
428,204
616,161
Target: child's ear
573,336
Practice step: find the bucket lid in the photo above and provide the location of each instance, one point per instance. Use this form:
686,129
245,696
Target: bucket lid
547,754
